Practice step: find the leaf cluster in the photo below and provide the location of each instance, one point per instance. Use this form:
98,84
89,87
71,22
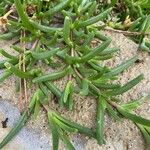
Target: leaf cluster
69,41
133,16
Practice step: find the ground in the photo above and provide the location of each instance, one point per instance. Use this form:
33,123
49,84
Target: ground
123,135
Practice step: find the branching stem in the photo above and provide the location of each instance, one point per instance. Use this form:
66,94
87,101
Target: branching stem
125,32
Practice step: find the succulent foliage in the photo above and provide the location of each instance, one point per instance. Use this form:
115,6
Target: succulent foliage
64,30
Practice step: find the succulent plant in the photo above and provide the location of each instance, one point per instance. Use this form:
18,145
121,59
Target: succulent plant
68,39
131,16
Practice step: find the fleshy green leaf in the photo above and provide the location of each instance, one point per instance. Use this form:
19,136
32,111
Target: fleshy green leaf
101,37
106,86
17,71
70,100
9,35
108,51
101,106
146,135
67,31
85,87
67,91
88,39
5,75
80,128
53,89
94,19
127,86
84,8
133,117
23,16
64,126
92,9
52,76
67,142
57,8
112,112
46,29
5,54
131,105
54,130
36,109
95,51
115,71
17,49
45,55
2,63
146,24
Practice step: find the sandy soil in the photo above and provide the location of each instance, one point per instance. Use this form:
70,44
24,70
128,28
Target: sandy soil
122,135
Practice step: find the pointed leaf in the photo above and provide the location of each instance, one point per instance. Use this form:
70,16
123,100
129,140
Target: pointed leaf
88,39
55,134
101,106
43,88
44,55
23,16
5,54
52,76
147,129
101,37
46,29
36,109
67,142
5,75
67,91
67,31
53,89
94,19
80,128
57,8
70,101
84,8
127,86
131,105
9,35
64,126
92,9
108,51
2,63
106,86
85,87
146,135
112,112
95,51
17,71
133,117
117,70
